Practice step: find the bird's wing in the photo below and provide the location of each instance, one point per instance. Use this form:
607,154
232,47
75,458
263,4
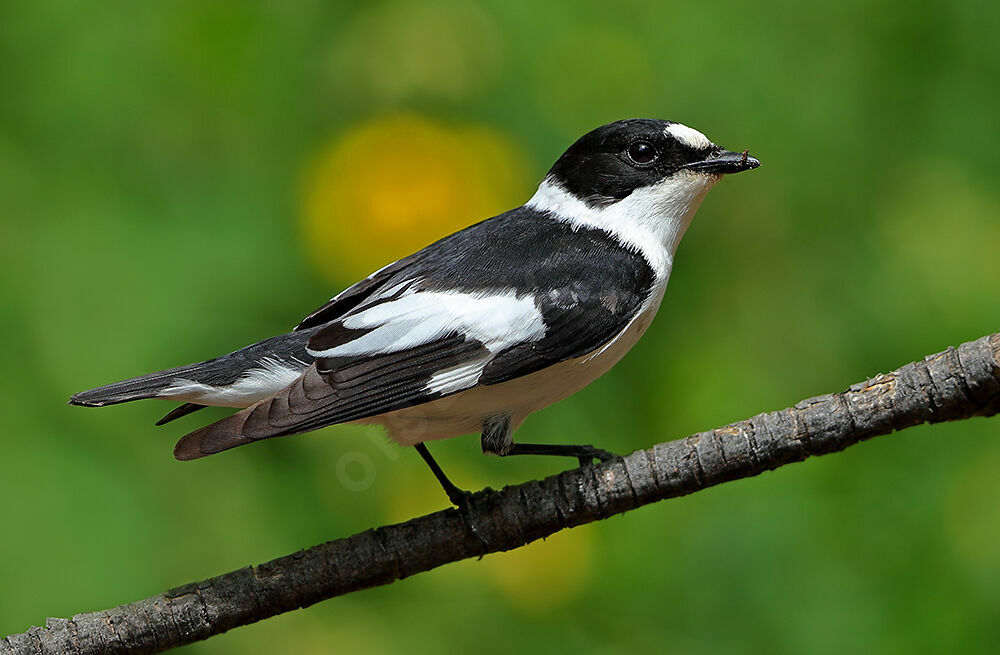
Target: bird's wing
354,295
438,326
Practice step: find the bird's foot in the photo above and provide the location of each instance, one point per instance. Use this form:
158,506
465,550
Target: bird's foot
458,497
587,455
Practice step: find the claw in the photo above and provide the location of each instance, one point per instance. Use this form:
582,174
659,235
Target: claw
591,453
459,497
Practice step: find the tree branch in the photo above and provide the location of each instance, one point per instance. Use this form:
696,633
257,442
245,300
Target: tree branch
955,384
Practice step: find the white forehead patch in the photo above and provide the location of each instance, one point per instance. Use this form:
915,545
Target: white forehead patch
688,136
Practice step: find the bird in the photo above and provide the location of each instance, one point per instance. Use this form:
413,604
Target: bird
481,328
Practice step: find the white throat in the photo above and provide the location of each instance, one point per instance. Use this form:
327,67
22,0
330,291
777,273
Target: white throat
651,219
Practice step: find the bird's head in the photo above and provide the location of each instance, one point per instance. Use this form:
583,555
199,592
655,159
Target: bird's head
640,178
611,162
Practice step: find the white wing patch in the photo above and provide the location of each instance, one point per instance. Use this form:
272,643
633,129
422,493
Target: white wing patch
498,320
458,377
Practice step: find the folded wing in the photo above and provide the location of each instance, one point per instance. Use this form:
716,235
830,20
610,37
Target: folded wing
387,355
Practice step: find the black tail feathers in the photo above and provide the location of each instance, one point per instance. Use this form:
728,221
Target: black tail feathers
145,386
219,371
177,412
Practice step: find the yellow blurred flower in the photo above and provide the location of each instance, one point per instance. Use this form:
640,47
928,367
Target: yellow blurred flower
393,185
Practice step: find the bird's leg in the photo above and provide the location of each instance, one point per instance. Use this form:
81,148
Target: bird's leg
458,497
497,439
455,495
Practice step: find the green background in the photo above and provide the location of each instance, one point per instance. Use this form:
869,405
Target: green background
151,172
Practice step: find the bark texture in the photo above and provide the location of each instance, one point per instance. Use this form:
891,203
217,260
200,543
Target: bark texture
955,384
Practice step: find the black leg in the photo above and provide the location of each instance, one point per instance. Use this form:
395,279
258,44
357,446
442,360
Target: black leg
455,495
586,454
458,497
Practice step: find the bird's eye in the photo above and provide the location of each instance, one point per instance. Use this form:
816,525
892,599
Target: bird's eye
641,152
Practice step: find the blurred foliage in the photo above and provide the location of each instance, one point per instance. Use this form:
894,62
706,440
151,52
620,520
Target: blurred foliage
179,179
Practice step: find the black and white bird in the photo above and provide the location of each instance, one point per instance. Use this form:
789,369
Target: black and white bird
480,329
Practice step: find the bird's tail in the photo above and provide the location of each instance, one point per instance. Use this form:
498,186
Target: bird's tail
215,381
144,386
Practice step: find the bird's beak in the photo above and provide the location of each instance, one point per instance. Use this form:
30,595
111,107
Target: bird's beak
721,162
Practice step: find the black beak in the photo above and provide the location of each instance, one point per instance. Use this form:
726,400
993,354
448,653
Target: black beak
721,162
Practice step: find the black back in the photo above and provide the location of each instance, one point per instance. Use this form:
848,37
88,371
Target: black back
521,249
